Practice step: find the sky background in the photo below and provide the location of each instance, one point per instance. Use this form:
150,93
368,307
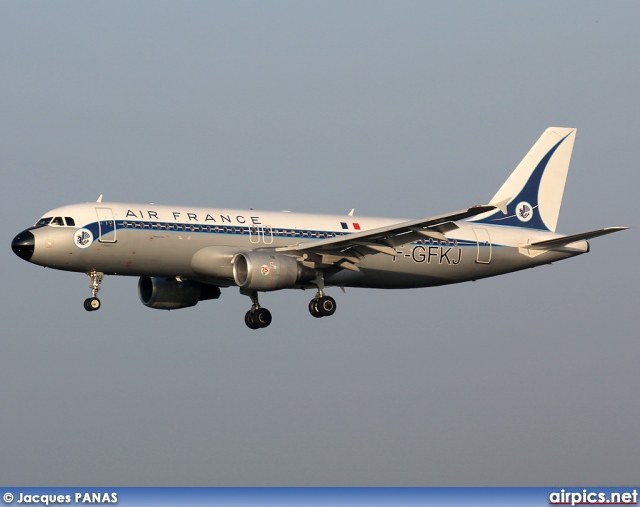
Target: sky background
397,109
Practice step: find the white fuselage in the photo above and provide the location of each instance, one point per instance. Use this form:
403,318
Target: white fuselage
153,240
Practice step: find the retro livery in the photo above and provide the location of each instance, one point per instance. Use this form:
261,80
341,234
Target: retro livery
184,255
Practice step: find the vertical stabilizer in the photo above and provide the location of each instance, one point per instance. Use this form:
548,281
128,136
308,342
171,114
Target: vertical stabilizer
533,192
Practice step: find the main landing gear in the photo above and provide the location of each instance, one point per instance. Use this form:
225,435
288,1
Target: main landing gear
257,317
322,306
93,303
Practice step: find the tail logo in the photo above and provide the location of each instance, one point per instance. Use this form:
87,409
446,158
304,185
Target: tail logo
83,238
524,211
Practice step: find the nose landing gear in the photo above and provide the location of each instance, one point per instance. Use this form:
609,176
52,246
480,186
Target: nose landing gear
93,303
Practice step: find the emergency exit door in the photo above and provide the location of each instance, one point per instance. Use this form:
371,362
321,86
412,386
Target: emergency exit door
484,246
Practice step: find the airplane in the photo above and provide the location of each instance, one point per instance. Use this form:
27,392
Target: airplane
184,255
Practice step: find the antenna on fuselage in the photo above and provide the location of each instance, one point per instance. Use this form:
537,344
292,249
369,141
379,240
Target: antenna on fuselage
99,198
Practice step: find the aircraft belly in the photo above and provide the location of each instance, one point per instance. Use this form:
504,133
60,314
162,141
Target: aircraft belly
162,254
415,268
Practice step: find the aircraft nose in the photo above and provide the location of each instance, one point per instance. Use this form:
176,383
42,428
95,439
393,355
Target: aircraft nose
23,245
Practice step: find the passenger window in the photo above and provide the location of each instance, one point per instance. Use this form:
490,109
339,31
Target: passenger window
70,221
57,221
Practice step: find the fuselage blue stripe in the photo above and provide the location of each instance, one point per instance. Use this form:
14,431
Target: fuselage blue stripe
259,232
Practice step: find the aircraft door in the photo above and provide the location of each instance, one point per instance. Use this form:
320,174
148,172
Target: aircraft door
484,246
106,225
261,233
267,235
254,234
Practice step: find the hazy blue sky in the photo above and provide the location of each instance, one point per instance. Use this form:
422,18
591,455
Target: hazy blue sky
401,109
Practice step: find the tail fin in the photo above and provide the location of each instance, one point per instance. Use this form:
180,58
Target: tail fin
533,192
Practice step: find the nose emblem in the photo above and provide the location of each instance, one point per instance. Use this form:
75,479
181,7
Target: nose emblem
23,245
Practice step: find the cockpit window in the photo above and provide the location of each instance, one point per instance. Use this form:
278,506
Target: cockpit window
43,221
68,221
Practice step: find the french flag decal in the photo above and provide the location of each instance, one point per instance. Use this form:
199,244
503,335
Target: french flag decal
354,225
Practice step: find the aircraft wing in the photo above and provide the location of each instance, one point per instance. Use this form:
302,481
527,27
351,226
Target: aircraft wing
349,249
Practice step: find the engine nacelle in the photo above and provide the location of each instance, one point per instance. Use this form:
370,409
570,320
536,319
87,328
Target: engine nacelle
170,294
264,271
214,263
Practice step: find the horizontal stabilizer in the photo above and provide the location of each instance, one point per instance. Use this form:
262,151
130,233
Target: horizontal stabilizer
567,240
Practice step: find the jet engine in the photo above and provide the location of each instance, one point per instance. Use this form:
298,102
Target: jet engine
171,294
265,271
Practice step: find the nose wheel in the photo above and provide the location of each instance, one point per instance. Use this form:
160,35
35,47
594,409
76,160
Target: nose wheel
93,303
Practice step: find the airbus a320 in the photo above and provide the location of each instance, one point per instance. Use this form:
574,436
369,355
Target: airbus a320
184,255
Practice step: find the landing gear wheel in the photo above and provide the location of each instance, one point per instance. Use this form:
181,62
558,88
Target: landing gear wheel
326,306
248,320
323,306
257,318
91,304
262,317
313,309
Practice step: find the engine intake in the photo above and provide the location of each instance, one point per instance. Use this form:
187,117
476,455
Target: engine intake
170,294
264,271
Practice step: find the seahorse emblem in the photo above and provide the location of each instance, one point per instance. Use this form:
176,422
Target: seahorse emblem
84,238
524,211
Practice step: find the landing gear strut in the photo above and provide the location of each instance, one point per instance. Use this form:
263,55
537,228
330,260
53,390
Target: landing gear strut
93,303
257,317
